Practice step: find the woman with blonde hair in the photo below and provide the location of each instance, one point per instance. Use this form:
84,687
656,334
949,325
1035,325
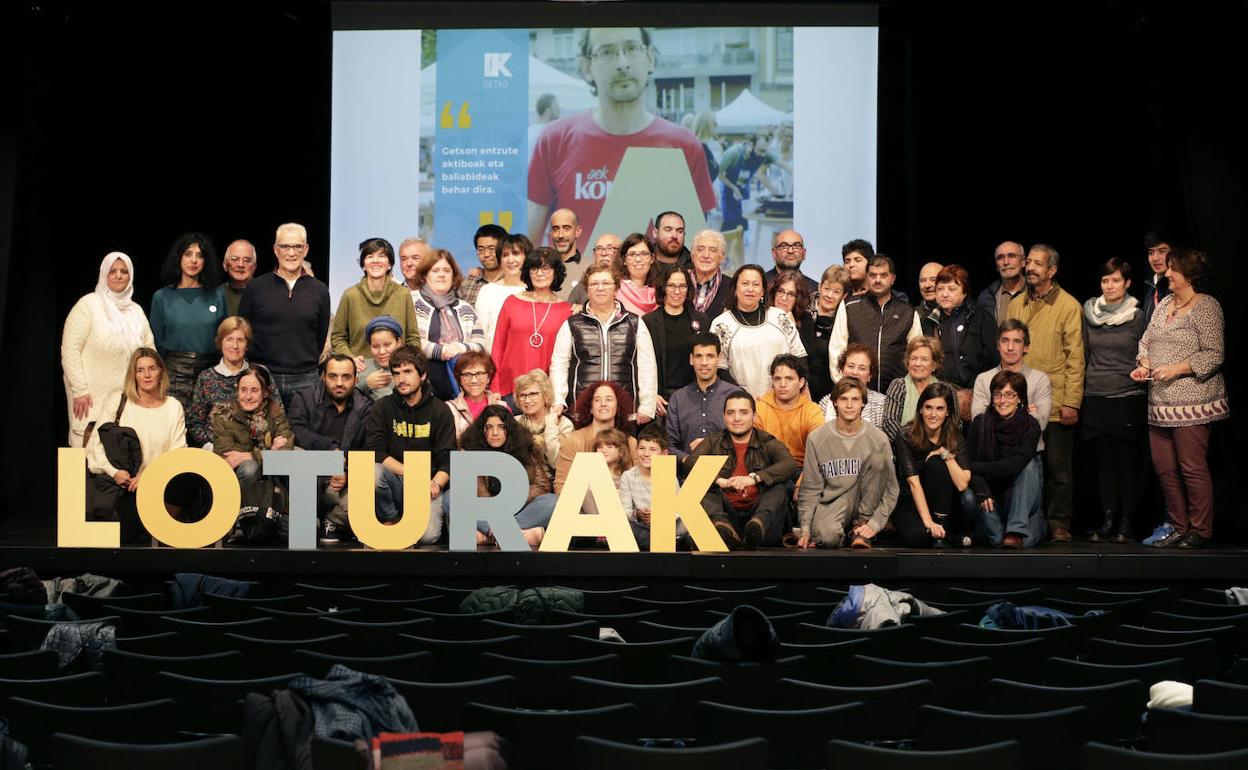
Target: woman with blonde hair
219,384
535,395
924,356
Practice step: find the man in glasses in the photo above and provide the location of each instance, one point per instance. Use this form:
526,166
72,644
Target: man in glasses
576,157
788,249
289,314
240,268
485,241
606,248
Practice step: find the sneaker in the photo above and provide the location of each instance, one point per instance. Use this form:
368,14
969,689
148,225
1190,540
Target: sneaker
1160,533
753,535
860,542
329,533
1170,540
729,536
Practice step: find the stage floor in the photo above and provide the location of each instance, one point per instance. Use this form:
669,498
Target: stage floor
1078,562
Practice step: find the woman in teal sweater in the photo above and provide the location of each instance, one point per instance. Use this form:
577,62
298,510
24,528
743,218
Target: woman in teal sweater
187,311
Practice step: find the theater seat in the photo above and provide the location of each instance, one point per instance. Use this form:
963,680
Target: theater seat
223,752
610,755
1006,755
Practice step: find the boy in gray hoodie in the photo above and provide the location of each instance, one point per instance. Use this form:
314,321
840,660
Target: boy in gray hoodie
849,481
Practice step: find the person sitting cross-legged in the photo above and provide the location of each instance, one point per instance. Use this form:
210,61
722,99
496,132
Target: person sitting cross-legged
1005,467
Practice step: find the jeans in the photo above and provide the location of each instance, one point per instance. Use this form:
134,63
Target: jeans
641,533
287,384
535,513
771,510
390,503
247,470
1018,511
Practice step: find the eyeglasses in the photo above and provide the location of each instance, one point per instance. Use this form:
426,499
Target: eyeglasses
240,260
638,254
676,286
474,375
527,396
782,246
1002,395
486,249
632,49
606,249
601,285
542,268
786,293
297,248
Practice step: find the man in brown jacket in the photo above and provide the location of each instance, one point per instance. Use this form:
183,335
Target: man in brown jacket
1055,320
747,504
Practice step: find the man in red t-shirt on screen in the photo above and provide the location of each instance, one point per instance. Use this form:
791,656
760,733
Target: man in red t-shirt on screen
576,158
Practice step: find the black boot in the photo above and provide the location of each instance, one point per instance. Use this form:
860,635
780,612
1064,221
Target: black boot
1107,531
1126,533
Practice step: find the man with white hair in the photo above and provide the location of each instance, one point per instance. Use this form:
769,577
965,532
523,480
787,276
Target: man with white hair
289,314
711,288
411,252
240,268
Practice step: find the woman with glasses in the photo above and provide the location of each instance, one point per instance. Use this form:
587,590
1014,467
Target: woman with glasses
186,312
605,342
524,334
635,266
473,372
534,396
1005,467
790,292
513,250
376,294
672,326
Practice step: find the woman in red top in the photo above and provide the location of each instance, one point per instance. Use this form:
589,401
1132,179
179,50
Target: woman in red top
524,335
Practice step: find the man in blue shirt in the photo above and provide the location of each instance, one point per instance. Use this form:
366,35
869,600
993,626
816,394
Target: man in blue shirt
697,410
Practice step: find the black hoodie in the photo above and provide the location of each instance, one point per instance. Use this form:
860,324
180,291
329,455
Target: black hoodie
393,428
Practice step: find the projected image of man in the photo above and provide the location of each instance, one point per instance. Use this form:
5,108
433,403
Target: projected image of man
576,157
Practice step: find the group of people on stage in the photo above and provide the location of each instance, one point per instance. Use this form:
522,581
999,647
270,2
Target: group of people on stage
847,414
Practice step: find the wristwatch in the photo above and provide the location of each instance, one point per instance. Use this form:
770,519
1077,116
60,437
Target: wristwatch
944,453
757,480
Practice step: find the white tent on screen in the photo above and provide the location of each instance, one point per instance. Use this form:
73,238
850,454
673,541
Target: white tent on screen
572,93
748,113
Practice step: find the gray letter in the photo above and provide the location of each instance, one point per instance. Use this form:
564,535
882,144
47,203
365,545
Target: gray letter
303,468
499,511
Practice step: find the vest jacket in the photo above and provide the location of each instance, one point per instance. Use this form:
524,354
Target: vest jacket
603,353
884,330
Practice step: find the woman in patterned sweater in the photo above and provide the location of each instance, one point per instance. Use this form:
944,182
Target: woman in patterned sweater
218,385
1180,356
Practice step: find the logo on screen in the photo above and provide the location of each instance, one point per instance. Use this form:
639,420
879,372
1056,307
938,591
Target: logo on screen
496,65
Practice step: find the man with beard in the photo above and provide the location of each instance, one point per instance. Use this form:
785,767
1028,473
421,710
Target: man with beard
577,157
331,418
788,249
697,410
882,319
747,503
240,268
486,243
929,311
669,239
1009,284
1055,324
565,230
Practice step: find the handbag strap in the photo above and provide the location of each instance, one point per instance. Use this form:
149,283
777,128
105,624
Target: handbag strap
121,407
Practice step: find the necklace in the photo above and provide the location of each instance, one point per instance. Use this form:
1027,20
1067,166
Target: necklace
536,340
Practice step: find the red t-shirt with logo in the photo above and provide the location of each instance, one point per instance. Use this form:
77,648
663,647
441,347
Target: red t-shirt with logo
575,161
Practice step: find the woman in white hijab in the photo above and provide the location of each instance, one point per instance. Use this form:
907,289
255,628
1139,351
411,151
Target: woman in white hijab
101,332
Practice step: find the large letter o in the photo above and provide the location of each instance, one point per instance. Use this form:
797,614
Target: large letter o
226,498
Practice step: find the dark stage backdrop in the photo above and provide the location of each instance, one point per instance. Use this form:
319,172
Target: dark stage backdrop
1081,125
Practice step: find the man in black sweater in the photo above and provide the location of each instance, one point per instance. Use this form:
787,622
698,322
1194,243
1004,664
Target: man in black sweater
410,419
332,418
289,315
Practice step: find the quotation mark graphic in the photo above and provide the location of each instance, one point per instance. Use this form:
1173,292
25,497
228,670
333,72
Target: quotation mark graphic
450,121
487,218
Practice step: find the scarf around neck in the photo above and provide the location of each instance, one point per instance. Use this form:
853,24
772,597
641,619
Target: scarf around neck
1098,312
125,318
1002,434
444,325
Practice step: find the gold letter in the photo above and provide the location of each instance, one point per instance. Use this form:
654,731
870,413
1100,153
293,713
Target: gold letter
72,528
362,501
226,497
589,472
686,504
